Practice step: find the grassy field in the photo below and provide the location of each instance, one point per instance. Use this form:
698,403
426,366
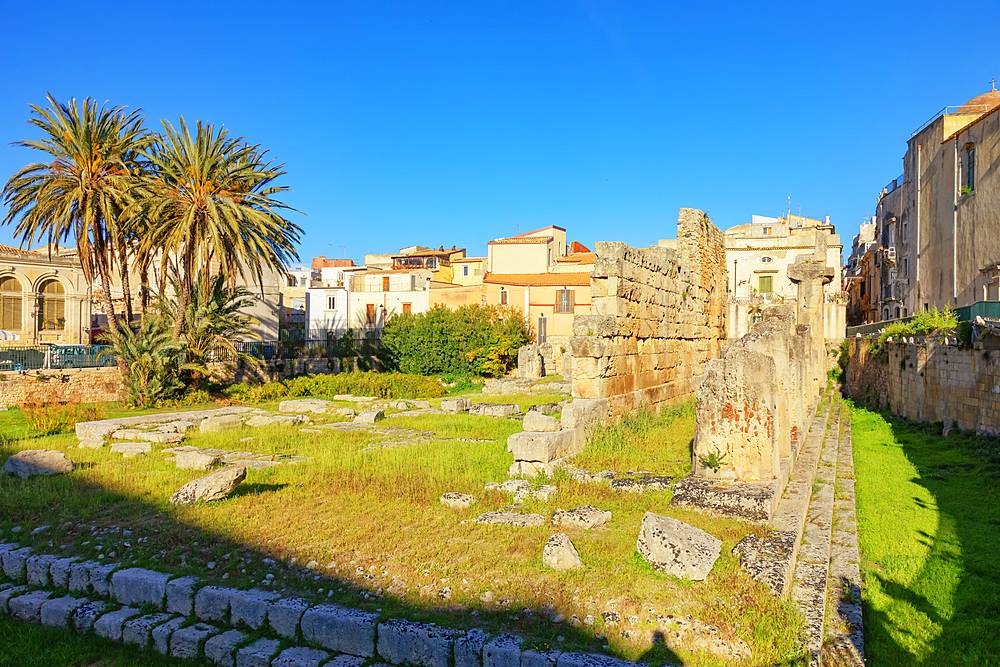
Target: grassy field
381,540
929,526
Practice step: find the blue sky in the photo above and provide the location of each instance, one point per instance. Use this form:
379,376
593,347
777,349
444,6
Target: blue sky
454,123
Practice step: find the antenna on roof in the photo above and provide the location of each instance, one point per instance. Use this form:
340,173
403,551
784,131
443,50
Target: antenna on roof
993,83
517,226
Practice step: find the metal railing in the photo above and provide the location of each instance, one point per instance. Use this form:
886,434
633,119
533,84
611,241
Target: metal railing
55,357
984,309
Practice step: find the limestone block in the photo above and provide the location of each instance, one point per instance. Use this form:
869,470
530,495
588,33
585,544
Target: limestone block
455,404
15,564
128,434
468,649
597,325
530,363
136,586
478,409
57,612
37,569
369,416
110,624
539,423
180,594
258,654
96,430
536,658
590,660
543,493
213,486
187,642
138,631
503,651
415,643
543,447
500,410
131,449
196,460
584,412
511,519
340,629
300,657
457,501
221,649
160,635
251,607
28,607
220,423
163,438
676,548
38,462
585,517
211,603
7,594
100,577
87,614
284,616
314,405
544,408
560,554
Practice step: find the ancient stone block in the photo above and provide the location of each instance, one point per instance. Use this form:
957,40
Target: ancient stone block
57,612
284,616
340,629
100,577
221,649
15,564
402,641
139,630
213,486
180,594
87,614
299,657
369,416
258,654
503,651
211,603
220,423
529,362
160,635
7,594
196,460
314,405
30,462
251,607
455,404
511,519
584,412
468,648
110,624
676,548
37,569
539,423
543,447
136,586
187,642
585,517
560,554
28,607
500,410
457,501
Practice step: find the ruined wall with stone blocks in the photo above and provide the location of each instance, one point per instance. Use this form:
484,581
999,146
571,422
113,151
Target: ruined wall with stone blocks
657,317
76,385
930,381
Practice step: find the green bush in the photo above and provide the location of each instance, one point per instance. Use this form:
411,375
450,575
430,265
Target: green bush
925,321
382,385
473,340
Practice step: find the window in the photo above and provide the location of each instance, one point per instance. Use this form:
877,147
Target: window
331,303
407,308
465,269
550,255
370,313
906,267
503,296
766,284
767,230
385,283
340,276
969,169
564,301
766,260
10,304
52,306
542,330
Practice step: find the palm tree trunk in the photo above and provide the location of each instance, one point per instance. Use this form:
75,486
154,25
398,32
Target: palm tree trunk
184,298
126,287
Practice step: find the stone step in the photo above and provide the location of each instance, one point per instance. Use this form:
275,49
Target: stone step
812,563
771,559
845,629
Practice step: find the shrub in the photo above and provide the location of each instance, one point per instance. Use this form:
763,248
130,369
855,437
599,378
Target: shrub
925,321
52,418
477,340
382,385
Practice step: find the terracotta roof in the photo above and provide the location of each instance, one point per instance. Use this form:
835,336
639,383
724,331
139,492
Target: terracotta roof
535,231
579,258
576,246
981,103
11,250
527,279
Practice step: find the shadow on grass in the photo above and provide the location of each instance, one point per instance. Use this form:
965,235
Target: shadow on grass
956,587
168,543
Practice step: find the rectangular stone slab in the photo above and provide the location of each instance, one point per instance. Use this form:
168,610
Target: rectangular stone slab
340,629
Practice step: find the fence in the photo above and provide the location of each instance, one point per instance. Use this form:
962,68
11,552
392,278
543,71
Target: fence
37,357
984,309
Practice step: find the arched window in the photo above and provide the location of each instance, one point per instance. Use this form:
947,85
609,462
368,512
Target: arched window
10,304
52,306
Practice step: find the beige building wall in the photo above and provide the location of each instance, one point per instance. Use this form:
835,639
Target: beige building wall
29,278
468,271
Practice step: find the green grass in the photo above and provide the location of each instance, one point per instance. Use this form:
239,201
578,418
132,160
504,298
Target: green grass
33,645
379,511
929,529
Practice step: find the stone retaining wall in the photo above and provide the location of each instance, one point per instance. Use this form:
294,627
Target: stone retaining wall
72,385
657,317
928,380
192,620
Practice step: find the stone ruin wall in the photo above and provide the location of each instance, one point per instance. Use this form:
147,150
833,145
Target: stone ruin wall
657,318
76,385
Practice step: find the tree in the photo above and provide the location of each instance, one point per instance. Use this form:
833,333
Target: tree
152,371
81,192
210,201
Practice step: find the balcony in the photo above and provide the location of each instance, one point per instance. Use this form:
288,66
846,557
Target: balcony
889,254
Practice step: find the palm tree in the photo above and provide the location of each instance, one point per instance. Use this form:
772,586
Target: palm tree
211,199
81,192
153,361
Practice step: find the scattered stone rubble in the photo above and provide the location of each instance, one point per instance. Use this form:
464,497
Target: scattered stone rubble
37,462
